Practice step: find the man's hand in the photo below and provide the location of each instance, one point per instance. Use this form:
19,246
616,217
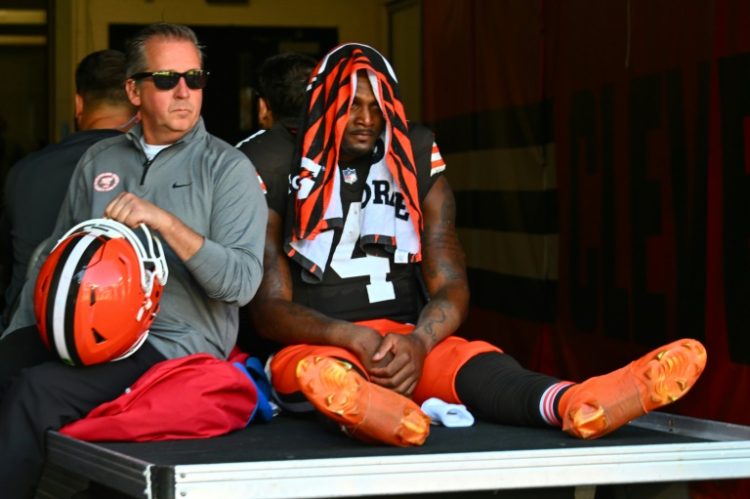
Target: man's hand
402,372
129,209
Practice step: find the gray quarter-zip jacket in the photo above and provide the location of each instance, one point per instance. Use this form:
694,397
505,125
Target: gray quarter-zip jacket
214,189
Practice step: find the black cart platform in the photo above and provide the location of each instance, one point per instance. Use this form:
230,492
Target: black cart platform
303,457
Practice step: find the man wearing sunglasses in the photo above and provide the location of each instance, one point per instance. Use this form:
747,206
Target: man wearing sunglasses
203,198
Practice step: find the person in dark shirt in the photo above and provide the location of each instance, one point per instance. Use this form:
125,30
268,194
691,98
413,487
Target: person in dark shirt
37,184
282,80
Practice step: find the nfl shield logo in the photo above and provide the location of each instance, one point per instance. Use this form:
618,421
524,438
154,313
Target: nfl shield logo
350,175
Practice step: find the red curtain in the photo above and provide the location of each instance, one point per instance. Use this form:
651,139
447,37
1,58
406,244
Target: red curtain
643,111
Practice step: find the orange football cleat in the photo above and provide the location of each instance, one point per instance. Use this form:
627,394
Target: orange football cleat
602,404
363,409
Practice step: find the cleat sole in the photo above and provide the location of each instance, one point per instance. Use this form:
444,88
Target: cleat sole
363,409
602,404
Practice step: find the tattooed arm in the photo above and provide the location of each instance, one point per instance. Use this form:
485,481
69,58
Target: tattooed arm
444,271
443,268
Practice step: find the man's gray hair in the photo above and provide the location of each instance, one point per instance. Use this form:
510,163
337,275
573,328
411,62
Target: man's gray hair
136,47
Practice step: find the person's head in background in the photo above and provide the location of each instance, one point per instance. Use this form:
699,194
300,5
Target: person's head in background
101,100
166,81
282,80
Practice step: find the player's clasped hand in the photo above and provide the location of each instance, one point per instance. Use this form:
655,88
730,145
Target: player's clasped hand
402,373
364,342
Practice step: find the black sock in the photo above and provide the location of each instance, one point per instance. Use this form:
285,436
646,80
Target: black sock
495,387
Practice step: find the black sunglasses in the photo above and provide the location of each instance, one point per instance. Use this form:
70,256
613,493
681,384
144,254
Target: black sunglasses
195,79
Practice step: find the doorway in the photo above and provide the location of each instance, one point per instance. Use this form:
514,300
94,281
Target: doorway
24,57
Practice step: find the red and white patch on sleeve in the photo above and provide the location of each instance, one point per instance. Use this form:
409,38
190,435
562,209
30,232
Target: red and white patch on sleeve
262,184
438,164
105,182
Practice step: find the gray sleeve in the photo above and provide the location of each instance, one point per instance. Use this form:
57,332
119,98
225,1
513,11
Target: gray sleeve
229,265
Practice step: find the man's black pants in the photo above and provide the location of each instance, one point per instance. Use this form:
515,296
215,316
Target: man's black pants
39,393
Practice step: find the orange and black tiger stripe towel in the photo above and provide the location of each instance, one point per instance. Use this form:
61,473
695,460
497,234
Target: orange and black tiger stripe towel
316,199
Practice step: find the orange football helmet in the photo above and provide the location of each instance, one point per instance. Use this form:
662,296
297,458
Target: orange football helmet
98,292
